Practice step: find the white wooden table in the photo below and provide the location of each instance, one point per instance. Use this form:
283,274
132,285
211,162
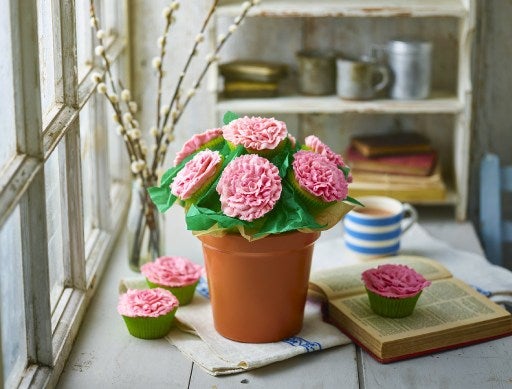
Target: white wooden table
106,356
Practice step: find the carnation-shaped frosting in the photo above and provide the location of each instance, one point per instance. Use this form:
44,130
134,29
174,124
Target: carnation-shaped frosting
146,302
316,145
255,133
196,172
249,187
397,281
172,271
319,176
195,143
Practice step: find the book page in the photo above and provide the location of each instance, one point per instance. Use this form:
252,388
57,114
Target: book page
346,280
447,303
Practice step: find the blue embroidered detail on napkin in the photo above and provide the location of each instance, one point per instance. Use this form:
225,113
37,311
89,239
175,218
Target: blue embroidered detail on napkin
202,288
308,345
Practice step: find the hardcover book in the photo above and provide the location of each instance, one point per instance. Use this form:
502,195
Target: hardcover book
391,143
420,164
449,313
398,186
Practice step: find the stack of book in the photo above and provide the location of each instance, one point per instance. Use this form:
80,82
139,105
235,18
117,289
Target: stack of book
401,165
249,78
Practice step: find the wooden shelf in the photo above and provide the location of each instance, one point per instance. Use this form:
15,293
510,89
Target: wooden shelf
349,8
439,103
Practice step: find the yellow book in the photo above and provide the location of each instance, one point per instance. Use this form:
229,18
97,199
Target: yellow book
400,187
448,314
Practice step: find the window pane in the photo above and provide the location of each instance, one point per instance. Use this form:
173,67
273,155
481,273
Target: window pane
110,16
7,128
83,38
54,225
12,314
46,55
86,147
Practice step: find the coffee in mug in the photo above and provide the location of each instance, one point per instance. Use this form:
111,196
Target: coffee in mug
374,230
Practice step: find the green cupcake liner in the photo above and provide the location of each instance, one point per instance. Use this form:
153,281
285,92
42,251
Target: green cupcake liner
312,202
392,307
150,327
184,294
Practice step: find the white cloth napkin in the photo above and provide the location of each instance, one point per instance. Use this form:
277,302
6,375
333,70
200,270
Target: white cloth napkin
195,336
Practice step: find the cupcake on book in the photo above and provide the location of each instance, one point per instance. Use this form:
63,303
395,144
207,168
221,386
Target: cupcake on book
148,313
318,181
393,290
176,274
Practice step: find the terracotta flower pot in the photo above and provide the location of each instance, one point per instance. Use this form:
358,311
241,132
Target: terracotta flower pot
258,289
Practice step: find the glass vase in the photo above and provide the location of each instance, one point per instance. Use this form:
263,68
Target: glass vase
145,225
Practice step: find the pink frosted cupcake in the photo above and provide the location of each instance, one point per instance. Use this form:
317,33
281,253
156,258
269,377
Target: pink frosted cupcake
176,274
148,313
209,138
393,290
263,136
196,176
249,187
317,181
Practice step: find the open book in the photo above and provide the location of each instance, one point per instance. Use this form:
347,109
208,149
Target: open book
449,313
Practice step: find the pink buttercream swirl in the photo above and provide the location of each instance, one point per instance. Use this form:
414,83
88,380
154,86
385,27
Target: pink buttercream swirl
255,133
316,145
172,271
396,281
319,176
195,173
146,302
249,187
195,143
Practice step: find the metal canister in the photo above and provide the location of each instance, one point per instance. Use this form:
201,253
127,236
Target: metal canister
411,66
317,72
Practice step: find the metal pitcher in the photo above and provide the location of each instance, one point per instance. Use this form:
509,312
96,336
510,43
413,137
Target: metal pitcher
411,66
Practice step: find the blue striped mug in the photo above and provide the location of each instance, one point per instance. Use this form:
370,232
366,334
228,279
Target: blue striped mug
375,229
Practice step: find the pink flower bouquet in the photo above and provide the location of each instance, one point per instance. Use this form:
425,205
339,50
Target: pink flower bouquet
251,177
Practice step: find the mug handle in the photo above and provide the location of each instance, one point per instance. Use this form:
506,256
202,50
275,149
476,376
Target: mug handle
384,73
413,217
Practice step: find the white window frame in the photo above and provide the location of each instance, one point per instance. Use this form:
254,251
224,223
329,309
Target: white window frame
50,333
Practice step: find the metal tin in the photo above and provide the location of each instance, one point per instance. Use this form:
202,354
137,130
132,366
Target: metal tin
411,65
255,71
317,72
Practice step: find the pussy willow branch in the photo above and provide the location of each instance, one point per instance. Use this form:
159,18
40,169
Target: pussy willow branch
133,146
160,72
212,58
190,57
161,133
158,157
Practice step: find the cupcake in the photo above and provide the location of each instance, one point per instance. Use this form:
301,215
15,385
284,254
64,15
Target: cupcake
148,313
192,182
263,136
317,181
393,290
176,274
